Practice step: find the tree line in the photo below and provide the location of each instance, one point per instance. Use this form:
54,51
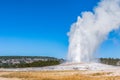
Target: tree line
110,61
27,61
47,61
33,64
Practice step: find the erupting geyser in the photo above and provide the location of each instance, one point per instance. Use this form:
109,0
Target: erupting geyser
91,29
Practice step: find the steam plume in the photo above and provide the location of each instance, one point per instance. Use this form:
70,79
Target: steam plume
91,29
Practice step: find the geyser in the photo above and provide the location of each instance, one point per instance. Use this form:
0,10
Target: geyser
91,29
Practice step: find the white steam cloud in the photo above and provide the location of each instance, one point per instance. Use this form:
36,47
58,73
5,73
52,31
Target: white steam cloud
91,29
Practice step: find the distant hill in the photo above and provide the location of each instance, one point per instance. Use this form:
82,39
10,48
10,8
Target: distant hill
28,61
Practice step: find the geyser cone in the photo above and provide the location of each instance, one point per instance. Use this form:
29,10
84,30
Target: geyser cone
91,29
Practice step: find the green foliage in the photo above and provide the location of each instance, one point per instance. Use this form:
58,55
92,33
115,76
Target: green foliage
46,61
110,61
37,64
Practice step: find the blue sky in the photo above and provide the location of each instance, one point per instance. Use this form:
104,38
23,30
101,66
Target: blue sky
39,27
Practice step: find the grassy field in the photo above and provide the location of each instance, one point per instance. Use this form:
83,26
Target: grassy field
57,75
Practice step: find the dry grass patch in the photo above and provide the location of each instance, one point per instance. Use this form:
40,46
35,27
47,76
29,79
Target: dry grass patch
101,74
59,75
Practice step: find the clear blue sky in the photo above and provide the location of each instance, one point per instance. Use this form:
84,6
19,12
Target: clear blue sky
39,27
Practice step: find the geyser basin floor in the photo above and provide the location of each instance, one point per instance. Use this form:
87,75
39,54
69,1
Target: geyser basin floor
86,68
68,66
67,69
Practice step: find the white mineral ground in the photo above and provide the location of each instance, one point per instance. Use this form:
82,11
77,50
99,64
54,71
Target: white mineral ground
87,67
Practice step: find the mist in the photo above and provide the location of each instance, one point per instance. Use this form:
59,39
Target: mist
91,29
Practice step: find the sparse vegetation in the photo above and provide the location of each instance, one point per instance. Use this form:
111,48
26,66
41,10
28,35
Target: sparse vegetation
58,75
101,74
